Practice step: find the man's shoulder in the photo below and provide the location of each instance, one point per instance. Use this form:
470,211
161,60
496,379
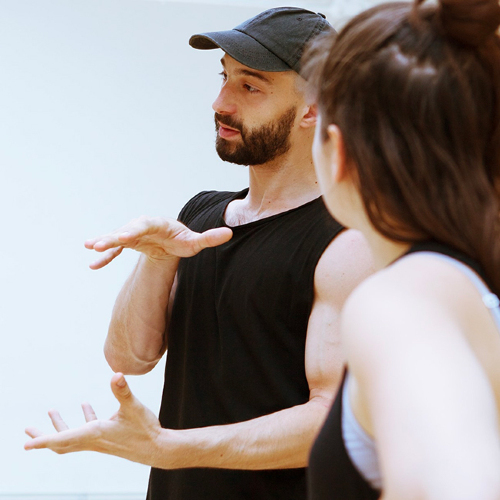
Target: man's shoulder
203,201
315,223
345,263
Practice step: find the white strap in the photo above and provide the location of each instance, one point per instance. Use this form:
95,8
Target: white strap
490,300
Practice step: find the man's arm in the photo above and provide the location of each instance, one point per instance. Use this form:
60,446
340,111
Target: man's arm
279,440
283,439
137,338
137,333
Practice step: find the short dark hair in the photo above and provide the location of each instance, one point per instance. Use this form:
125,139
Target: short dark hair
415,91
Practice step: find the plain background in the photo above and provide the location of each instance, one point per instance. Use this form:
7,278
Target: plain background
105,115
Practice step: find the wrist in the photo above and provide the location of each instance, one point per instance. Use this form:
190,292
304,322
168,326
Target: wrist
168,451
188,448
165,262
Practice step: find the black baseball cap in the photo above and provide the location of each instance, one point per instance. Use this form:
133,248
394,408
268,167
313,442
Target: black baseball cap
273,40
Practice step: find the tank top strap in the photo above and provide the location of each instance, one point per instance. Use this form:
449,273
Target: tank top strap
490,300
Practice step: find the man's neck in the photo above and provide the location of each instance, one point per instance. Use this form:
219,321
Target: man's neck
275,187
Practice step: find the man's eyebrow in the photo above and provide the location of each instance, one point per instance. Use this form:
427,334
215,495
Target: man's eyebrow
255,74
249,72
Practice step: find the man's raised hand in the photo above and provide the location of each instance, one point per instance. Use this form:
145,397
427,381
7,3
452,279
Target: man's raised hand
159,238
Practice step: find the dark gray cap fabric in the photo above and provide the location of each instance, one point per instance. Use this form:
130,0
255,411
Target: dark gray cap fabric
274,40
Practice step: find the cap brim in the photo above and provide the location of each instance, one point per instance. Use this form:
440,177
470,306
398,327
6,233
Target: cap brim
245,49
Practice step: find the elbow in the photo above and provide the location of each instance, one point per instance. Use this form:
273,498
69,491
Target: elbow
322,400
128,365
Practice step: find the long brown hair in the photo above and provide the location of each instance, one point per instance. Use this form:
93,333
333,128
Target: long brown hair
415,91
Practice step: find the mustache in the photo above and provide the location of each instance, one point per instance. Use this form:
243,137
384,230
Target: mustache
229,121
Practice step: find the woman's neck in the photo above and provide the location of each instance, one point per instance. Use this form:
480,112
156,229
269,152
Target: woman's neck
384,250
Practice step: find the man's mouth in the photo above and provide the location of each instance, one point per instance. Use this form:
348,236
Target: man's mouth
227,132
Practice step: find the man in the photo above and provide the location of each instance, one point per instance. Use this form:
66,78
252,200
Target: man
259,278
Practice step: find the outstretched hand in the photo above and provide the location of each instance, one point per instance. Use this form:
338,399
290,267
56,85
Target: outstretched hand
132,432
159,238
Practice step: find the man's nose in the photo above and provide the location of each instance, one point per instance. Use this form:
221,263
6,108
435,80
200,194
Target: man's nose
225,103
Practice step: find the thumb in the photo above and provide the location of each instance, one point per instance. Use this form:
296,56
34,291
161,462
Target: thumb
214,237
121,390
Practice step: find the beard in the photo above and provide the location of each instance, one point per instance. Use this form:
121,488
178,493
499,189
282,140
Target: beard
257,146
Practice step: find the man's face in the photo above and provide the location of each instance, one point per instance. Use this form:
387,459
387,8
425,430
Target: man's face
254,114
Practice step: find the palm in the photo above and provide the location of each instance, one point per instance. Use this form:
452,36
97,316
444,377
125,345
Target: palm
161,241
130,433
156,237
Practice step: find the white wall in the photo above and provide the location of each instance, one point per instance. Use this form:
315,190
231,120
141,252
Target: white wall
105,114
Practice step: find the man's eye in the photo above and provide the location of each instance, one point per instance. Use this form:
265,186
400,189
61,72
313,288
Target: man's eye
223,74
251,89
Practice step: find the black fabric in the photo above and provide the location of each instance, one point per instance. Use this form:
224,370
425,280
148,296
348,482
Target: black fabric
331,473
237,339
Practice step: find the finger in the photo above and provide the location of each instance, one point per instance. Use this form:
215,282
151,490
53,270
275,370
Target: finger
110,241
214,237
33,432
121,389
88,412
127,236
134,230
91,242
142,227
57,421
106,258
132,234
104,242
63,442
31,445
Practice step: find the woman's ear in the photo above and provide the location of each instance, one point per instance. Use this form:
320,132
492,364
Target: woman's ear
310,116
337,153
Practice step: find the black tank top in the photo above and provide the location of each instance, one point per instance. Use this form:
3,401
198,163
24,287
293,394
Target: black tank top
237,339
331,473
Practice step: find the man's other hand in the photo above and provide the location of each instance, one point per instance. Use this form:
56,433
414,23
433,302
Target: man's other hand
131,433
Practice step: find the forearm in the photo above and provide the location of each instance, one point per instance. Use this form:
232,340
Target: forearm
136,336
277,441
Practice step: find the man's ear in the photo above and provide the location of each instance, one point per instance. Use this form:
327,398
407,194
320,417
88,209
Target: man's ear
309,117
338,156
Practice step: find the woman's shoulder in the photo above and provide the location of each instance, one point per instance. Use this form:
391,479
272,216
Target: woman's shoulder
419,277
419,291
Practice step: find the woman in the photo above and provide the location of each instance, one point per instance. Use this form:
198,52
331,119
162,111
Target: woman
407,150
